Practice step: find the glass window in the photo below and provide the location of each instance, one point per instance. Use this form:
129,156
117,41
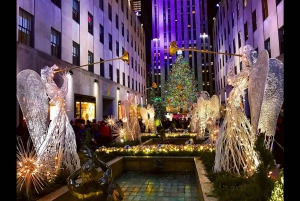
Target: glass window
90,23
117,21
25,34
117,48
110,41
101,34
111,72
56,2
118,76
90,61
128,81
109,12
265,9
254,22
281,41
246,31
75,54
101,4
55,43
124,79
268,46
102,68
76,10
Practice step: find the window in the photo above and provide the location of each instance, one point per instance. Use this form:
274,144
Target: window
127,36
118,76
76,10
117,21
109,12
135,66
25,34
90,23
278,2
241,66
56,2
111,72
102,68
110,41
123,79
265,9
128,81
245,3
122,28
136,85
246,31
101,4
55,43
127,13
132,83
90,61
131,20
254,22
131,41
117,48
132,62
268,46
233,45
122,6
239,39
281,41
101,34
75,54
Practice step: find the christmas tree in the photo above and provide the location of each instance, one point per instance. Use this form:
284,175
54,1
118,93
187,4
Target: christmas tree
181,90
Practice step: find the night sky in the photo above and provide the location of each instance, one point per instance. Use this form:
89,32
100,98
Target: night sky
146,19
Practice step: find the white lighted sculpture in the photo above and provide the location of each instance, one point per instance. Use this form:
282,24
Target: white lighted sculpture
235,144
212,116
131,129
265,91
148,118
194,118
54,143
201,103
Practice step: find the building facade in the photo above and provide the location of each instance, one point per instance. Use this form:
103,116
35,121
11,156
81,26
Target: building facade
258,23
92,34
184,22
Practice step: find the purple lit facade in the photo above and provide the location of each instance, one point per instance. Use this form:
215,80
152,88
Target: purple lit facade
186,23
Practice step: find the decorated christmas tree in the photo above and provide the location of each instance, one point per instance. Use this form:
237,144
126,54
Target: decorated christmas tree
181,90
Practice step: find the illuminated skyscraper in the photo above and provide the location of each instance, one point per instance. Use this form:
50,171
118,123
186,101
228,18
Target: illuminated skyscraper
183,21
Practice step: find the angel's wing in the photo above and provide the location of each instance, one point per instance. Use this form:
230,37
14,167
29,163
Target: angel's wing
144,114
34,103
213,107
256,87
151,113
273,97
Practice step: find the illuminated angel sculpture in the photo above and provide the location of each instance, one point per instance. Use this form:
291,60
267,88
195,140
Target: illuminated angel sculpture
265,91
148,118
194,118
212,116
131,129
235,144
201,124
54,143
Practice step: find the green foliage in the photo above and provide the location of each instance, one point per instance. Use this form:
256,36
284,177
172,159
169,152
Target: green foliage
181,87
278,191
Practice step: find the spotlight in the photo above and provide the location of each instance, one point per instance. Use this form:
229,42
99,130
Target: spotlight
96,81
70,72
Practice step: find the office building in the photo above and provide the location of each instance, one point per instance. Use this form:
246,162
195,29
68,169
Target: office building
184,22
74,33
259,23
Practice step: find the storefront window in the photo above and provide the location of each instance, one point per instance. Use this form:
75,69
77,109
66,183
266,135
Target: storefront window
85,110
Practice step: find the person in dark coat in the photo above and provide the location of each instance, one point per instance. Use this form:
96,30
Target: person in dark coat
105,134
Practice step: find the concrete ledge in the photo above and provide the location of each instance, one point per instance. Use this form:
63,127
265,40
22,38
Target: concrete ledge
145,163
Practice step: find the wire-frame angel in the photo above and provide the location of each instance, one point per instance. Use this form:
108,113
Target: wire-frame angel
148,118
54,142
265,91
